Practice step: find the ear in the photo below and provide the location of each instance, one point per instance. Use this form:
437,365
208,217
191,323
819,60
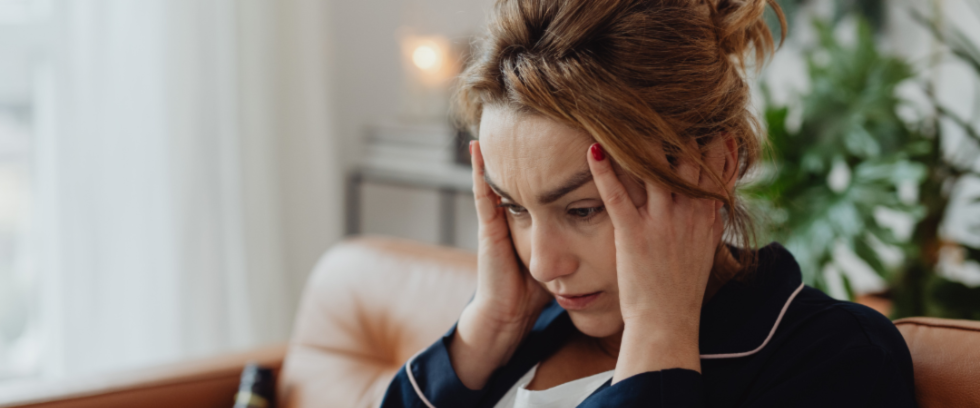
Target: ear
721,156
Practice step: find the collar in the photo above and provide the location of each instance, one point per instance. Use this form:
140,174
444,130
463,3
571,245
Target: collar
739,320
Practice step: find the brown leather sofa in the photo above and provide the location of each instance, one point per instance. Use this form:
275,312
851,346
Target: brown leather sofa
371,303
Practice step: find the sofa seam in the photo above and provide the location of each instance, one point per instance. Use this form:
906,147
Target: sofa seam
938,326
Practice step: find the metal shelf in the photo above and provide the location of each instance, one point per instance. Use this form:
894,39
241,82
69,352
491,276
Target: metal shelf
449,180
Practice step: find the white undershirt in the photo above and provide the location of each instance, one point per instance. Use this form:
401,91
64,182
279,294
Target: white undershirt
566,395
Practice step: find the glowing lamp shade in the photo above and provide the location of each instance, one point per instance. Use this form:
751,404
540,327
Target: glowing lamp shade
429,63
427,57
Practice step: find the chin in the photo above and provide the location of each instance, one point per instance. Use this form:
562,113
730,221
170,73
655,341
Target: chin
597,325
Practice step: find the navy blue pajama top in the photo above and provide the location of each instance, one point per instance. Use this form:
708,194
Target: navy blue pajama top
769,341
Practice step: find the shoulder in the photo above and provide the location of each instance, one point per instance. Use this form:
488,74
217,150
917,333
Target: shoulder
827,329
815,312
836,345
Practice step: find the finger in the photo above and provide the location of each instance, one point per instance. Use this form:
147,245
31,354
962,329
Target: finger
659,198
703,212
688,171
709,176
701,176
634,186
693,212
707,182
614,196
486,199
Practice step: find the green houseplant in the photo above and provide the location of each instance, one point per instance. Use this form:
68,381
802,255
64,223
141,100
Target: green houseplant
922,291
850,160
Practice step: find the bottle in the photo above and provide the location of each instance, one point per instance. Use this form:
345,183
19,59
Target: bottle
257,388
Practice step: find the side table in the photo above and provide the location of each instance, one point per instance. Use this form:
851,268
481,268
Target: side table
449,180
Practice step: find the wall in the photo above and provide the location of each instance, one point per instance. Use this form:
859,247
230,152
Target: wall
367,87
308,158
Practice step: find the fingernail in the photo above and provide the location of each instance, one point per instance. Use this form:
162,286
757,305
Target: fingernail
471,146
597,152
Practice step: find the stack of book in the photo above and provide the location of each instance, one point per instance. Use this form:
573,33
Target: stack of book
401,145
416,150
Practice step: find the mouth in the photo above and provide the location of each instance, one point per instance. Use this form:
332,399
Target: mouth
577,302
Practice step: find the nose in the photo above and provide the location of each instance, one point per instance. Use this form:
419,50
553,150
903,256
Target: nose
551,257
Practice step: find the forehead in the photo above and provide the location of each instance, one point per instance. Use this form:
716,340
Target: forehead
525,153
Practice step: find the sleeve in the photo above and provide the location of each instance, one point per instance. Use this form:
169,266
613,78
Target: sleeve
428,380
675,387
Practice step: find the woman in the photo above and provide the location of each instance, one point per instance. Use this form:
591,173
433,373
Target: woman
611,136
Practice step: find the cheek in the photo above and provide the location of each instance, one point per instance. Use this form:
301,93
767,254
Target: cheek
520,235
606,319
601,253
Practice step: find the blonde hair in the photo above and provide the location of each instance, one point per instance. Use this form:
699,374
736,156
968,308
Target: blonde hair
634,74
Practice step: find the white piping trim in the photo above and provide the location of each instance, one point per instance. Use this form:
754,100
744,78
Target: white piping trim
771,332
418,391
415,385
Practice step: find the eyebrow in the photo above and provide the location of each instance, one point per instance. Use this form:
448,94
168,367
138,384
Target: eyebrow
573,183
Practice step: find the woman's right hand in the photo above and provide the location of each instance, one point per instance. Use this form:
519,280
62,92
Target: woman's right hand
507,301
506,294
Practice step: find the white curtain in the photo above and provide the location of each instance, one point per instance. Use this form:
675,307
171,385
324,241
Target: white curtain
184,177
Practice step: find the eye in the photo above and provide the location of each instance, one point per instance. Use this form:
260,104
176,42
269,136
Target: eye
585,213
514,209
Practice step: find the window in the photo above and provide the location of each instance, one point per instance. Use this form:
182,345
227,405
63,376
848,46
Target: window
22,59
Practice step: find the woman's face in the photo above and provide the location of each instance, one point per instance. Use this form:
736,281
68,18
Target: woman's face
557,221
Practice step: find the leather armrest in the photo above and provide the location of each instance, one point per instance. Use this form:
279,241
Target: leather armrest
202,383
946,360
370,304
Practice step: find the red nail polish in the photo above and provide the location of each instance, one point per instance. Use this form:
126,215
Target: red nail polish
597,152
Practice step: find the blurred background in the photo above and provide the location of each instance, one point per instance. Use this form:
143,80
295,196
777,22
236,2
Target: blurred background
171,170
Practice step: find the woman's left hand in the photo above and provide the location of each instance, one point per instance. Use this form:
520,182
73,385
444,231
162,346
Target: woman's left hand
665,249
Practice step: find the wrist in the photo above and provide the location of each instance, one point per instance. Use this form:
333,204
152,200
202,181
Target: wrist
491,331
481,345
660,329
677,320
496,318
658,341
492,337
647,348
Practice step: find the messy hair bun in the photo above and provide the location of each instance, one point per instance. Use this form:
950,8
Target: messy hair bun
740,27
634,74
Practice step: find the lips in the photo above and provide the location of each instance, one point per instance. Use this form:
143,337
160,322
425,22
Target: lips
577,302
